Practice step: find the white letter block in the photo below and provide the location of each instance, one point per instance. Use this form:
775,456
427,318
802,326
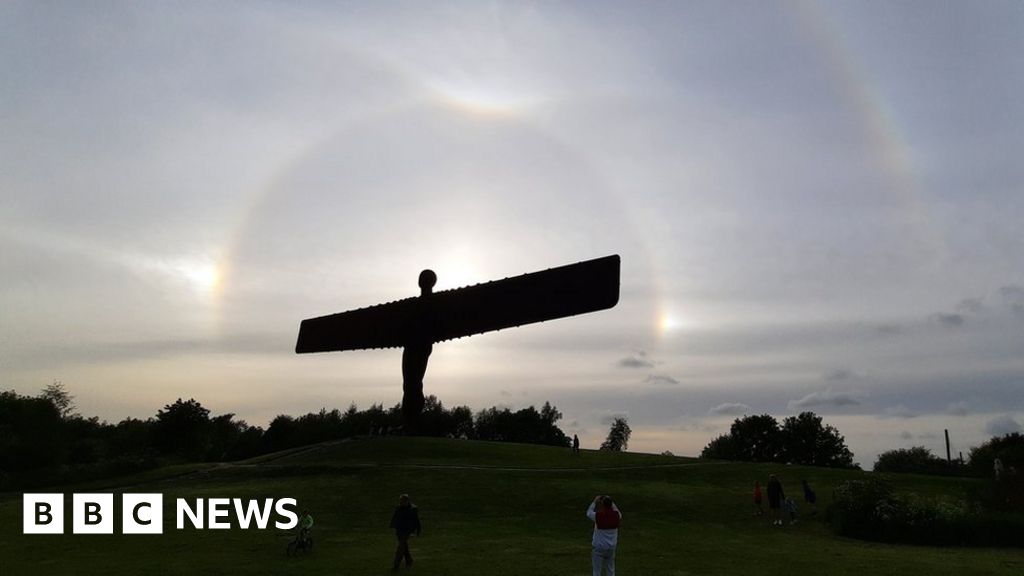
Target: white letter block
142,513
92,514
42,514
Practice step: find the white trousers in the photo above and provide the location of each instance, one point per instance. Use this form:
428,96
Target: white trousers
604,561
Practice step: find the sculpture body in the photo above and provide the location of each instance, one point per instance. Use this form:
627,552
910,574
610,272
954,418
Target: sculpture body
415,324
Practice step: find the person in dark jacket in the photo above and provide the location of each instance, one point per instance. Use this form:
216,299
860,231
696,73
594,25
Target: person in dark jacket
810,497
775,498
405,521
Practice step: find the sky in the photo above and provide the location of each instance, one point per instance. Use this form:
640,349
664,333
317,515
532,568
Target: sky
818,207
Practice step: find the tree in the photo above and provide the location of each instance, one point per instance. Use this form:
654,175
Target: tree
918,459
132,436
550,414
1008,448
462,422
750,439
493,424
61,399
183,429
434,420
618,435
805,440
801,439
724,447
526,425
757,438
280,435
31,434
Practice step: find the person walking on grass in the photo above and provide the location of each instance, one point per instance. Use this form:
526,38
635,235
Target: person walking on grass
791,510
575,444
305,525
606,517
405,521
759,510
810,497
775,497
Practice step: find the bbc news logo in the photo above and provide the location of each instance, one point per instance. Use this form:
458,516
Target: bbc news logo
144,513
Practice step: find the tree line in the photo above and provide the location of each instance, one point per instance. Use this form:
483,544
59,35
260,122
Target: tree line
805,439
1008,449
43,441
801,439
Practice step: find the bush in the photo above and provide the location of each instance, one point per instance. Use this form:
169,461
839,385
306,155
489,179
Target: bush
870,510
1006,495
859,508
1008,448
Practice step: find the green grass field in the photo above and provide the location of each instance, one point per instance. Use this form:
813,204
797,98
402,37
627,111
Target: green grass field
488,508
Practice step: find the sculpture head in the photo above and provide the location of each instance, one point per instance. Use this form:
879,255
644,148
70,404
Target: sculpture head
427,281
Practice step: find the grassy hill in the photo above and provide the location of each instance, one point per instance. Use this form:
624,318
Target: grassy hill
488,508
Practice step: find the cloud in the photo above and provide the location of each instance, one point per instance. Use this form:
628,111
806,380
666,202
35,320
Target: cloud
607,419
824,398
970,306
1012,293
906,435
1013,296
949,320
730,409
899,411
697,426
505,393
268,343
889,329
957,409
661,379
842,374
1002,425
637,360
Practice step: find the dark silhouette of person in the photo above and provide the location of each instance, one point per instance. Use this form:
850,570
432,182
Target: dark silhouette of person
406,521
810,497
416,353
775,498
575,444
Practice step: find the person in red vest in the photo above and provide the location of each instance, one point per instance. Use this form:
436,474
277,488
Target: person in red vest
606,517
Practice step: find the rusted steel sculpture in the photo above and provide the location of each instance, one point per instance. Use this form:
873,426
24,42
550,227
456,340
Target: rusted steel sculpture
415,324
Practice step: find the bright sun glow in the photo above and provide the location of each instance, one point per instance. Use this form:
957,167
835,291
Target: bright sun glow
668,322
481,99
460,266
203,276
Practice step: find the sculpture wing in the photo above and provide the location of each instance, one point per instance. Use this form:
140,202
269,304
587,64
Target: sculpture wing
536,297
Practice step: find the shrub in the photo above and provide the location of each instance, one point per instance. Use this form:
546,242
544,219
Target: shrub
916,460
1008,448
860,508
870,510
